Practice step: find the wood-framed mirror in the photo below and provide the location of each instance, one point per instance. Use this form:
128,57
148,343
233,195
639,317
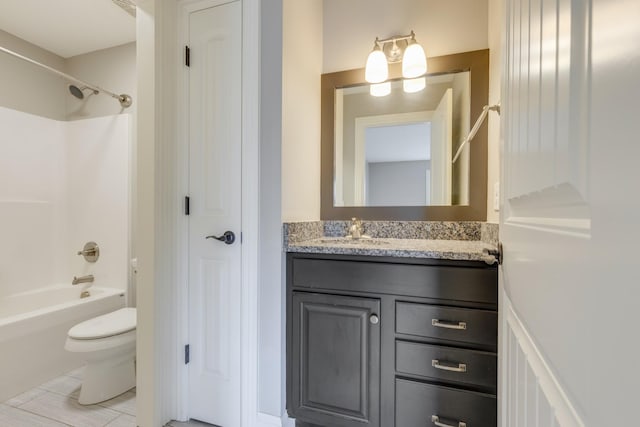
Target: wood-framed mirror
392,161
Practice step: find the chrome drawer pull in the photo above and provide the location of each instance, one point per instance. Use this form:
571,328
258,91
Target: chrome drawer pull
436,420
448,325
460,368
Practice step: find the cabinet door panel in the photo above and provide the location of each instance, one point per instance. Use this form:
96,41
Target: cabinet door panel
335,360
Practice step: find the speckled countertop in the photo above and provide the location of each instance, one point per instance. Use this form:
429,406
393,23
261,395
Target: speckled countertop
460,242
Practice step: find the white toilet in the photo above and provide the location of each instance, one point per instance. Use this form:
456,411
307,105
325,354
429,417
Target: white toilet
108,344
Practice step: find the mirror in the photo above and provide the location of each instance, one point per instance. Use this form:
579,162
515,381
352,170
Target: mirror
397,150
390,157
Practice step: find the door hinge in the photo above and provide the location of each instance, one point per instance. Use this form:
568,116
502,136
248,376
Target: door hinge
186,354
187,207
187,56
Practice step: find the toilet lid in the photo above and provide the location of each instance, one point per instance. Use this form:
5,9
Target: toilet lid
108,325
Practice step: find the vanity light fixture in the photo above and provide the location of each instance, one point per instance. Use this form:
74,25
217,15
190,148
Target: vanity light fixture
395,49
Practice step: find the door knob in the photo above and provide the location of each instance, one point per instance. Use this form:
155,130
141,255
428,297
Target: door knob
374,319
228,237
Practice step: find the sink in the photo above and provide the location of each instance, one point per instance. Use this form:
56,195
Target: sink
350,241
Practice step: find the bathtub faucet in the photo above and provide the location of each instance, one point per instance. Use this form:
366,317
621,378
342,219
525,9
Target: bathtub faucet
82,279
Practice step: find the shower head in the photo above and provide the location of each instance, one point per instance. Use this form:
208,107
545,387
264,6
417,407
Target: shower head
78,92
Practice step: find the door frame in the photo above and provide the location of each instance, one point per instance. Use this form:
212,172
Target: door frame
361,125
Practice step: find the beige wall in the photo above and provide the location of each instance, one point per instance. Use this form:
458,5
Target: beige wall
30,89
301,69
113,69
331,35
27,88
495,74
442,27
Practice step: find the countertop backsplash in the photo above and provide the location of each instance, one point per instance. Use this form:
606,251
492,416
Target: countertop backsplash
296,232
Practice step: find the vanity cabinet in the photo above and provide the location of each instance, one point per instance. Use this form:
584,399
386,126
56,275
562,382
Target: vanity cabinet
385,341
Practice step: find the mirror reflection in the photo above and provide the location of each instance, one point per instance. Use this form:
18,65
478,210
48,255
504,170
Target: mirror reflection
397,149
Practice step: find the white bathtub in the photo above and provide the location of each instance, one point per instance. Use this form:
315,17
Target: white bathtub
33,329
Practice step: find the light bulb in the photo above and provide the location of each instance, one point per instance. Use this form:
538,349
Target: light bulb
377,69
414,85
414,62
380,89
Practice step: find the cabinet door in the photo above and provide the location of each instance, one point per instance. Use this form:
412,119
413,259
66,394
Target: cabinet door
335,360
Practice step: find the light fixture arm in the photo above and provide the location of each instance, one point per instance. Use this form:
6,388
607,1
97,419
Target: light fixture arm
394,40
476,127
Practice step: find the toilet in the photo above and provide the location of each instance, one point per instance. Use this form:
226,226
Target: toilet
108,345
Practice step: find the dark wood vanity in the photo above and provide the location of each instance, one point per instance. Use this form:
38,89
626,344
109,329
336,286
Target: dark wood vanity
390,341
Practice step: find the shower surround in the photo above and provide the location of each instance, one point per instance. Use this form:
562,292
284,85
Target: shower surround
62,184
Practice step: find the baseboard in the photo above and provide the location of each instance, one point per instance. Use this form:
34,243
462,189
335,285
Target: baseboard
531,393
266,420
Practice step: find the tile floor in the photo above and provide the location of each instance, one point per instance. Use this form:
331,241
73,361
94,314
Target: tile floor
55,404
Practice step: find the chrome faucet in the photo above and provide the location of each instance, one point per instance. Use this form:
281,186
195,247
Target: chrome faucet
355,231
82,279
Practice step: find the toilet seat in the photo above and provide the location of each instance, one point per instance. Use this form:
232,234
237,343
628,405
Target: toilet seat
108,325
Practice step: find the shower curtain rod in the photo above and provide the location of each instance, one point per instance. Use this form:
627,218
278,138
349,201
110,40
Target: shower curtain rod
124,99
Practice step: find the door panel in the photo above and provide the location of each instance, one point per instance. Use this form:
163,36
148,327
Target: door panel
214,185
569,115
335,360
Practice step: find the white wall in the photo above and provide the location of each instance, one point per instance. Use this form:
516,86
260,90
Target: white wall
273,179
98,196
387,183
26,87
61,185
301,70
441,27
32,202
495,75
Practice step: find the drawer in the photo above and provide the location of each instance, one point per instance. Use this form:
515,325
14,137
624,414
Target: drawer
418,403
477,368
469,284
462,325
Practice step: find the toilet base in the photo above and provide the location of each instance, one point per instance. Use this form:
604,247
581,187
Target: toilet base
106,379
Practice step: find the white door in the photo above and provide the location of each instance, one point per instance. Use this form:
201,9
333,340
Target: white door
570,223
441,134
215,203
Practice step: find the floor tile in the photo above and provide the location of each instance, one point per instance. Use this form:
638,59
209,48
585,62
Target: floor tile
25,397
67,410
14,417
125,403
123,420
65,386
76,373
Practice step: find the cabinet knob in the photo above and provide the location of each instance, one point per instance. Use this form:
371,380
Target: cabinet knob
374,319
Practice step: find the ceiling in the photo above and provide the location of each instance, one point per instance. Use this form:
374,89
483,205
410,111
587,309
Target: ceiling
68,27
399,143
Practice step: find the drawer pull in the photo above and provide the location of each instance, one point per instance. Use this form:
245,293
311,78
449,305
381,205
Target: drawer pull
374,319
449,325
436,420
460,368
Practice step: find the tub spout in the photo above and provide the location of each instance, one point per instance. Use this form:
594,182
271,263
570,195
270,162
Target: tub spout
82,279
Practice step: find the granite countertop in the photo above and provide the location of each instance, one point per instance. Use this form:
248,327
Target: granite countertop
467,241
414,248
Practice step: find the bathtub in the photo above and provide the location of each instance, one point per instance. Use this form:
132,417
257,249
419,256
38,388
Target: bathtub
33,330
